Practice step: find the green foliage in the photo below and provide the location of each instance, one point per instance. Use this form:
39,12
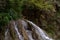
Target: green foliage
41,4
44,8
13,12
48,18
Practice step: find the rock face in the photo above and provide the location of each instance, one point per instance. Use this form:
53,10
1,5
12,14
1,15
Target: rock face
24,30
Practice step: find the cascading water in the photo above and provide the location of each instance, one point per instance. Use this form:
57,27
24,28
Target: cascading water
6,36
29,35
41,34
25,25
19,35
40,31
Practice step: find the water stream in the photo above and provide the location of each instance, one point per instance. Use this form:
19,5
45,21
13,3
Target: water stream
38,30
19,35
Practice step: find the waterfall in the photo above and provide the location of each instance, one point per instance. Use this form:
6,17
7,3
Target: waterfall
39,31
25,25
6,36
19,35
30,34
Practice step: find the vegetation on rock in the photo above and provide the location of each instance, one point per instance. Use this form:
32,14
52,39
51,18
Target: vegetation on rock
45,13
